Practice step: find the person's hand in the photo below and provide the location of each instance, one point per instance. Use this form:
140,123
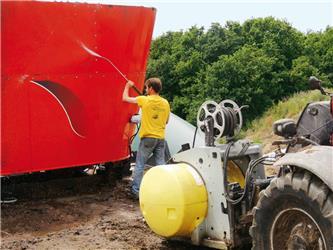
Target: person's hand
130,84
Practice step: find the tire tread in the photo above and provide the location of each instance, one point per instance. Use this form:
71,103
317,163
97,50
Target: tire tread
302,181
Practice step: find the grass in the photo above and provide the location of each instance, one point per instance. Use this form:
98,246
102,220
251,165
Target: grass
260,130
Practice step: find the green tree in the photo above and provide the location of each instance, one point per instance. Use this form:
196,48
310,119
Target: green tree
277,38
300,72
319,50
256,63
245,77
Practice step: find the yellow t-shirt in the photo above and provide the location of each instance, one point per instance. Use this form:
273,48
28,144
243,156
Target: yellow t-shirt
155,114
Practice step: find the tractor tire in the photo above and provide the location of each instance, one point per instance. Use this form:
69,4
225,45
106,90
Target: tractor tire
294,212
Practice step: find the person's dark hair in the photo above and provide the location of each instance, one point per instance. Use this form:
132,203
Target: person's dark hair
155,83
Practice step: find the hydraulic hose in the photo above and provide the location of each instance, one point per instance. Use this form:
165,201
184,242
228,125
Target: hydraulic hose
132,138
253,164
194,137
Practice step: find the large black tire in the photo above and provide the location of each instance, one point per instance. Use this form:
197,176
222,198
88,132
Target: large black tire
294,212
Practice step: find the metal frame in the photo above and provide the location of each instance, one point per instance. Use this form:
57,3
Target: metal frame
215,231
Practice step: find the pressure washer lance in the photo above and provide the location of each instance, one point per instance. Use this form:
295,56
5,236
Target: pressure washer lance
91,52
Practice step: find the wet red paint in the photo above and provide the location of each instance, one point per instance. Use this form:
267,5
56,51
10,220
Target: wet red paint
60,105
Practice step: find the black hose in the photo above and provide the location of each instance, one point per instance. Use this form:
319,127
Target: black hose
230,121
195,134
225,171
132,138
253,164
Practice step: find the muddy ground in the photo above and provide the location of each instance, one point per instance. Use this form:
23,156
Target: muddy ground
103,218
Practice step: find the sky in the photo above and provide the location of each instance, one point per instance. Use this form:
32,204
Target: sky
304,15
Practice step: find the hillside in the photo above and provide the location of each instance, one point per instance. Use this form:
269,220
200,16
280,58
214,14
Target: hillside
261,131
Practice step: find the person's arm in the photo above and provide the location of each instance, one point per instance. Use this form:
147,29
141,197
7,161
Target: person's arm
126,97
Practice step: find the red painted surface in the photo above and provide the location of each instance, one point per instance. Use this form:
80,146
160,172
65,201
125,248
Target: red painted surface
61,105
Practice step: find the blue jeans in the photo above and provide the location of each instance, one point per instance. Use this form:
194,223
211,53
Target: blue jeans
147,147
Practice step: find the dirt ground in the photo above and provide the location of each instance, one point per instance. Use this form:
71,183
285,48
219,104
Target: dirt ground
105,219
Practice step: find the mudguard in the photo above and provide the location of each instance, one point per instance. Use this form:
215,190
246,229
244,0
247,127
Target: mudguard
316,159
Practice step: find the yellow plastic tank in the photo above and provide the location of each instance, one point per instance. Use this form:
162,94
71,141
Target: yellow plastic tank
173,199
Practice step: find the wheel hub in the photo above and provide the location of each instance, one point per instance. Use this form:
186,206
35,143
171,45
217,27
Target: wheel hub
303,236
295,229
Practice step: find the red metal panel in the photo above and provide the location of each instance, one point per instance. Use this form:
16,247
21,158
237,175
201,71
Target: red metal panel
61,101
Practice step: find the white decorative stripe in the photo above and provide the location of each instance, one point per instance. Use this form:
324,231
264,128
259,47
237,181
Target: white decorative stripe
68,118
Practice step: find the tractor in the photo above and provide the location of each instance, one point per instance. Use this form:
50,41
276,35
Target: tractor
218,195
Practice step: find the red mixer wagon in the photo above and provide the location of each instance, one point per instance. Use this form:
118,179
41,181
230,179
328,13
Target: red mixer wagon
61,92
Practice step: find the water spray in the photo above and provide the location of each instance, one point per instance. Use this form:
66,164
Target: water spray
91,52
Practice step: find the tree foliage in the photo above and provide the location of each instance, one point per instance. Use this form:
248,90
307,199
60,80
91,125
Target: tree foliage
256,63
